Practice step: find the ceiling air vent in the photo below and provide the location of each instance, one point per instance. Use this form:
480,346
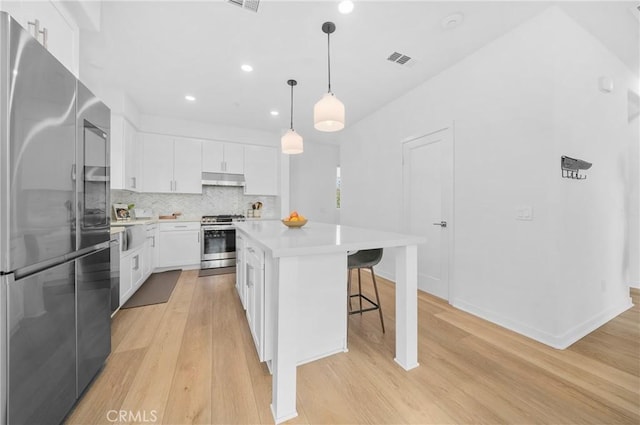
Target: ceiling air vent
635,11
246,4
400,59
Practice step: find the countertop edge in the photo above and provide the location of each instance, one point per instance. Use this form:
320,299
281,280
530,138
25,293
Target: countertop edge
394,240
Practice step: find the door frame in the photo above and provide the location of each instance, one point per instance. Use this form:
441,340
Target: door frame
448,198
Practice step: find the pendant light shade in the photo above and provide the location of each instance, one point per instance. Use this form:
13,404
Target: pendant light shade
328,113
291,142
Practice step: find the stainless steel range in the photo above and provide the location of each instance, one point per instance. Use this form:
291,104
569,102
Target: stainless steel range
218,241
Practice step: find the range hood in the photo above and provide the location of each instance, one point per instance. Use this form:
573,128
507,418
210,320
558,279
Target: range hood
222,179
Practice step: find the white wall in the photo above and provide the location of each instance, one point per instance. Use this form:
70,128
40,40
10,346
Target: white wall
516,110
592,260
313,182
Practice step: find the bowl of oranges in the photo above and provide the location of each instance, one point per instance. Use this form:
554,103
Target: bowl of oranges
294,220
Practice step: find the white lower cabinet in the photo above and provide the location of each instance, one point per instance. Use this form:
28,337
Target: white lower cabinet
179,244
151,248
241,283
256,268
132,274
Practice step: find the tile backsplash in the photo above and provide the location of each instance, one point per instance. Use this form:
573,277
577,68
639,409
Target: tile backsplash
214,200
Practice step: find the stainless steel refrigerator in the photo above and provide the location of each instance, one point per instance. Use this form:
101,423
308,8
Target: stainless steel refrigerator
54,232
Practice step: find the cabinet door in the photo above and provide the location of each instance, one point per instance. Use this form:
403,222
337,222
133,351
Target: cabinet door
152,248
126,287
187,168
146,263
132,155
212,156
62,32
255,296
117,152
137,268
179,248
241,284
261,170
233,158
157,163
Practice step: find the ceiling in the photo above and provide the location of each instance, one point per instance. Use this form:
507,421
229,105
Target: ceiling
159,51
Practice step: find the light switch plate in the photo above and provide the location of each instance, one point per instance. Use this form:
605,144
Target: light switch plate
524,213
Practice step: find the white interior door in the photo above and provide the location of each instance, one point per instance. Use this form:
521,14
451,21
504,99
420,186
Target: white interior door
428,187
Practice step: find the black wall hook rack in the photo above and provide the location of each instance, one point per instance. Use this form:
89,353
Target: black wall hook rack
571,168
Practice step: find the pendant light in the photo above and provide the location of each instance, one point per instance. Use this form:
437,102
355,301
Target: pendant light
291,142
328,113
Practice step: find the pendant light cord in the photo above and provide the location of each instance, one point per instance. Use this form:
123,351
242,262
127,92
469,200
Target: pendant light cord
329,58
292,107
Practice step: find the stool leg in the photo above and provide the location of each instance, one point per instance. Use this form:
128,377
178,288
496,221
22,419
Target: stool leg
375,288
360,291
349,289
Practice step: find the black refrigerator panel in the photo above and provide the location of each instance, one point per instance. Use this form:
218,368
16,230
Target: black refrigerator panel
41,346
93,122
93,285
40,197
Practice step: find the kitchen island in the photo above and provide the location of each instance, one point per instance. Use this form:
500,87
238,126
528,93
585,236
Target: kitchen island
293,285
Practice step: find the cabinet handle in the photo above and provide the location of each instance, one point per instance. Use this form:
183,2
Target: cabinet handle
137,261
183,226
133,182
45,37
37,31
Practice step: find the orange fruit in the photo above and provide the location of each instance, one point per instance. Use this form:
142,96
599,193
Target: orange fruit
293,214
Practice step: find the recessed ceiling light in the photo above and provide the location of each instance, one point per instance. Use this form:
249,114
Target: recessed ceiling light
190,98
246,68
452,21
345,6
275,113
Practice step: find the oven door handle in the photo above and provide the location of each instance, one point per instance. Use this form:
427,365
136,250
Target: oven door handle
219,227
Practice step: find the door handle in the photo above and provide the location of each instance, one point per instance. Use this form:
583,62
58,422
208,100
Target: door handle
441,224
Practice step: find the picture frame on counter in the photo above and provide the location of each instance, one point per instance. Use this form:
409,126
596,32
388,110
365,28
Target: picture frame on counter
121,212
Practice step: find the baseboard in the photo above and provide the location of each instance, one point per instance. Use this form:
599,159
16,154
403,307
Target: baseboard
559,342
634,284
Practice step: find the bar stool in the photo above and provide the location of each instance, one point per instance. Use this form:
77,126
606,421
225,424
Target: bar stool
364,259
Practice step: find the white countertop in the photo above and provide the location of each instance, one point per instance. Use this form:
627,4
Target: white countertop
320,238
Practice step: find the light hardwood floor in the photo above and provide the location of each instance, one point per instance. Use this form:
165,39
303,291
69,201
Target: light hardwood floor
192,361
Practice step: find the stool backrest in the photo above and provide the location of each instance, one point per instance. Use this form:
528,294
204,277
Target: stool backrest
364,258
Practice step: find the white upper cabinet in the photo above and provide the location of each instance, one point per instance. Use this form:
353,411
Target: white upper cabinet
234,158
171,165
52,25
261,170
125,155
220,157
157,163
132,157
187,166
